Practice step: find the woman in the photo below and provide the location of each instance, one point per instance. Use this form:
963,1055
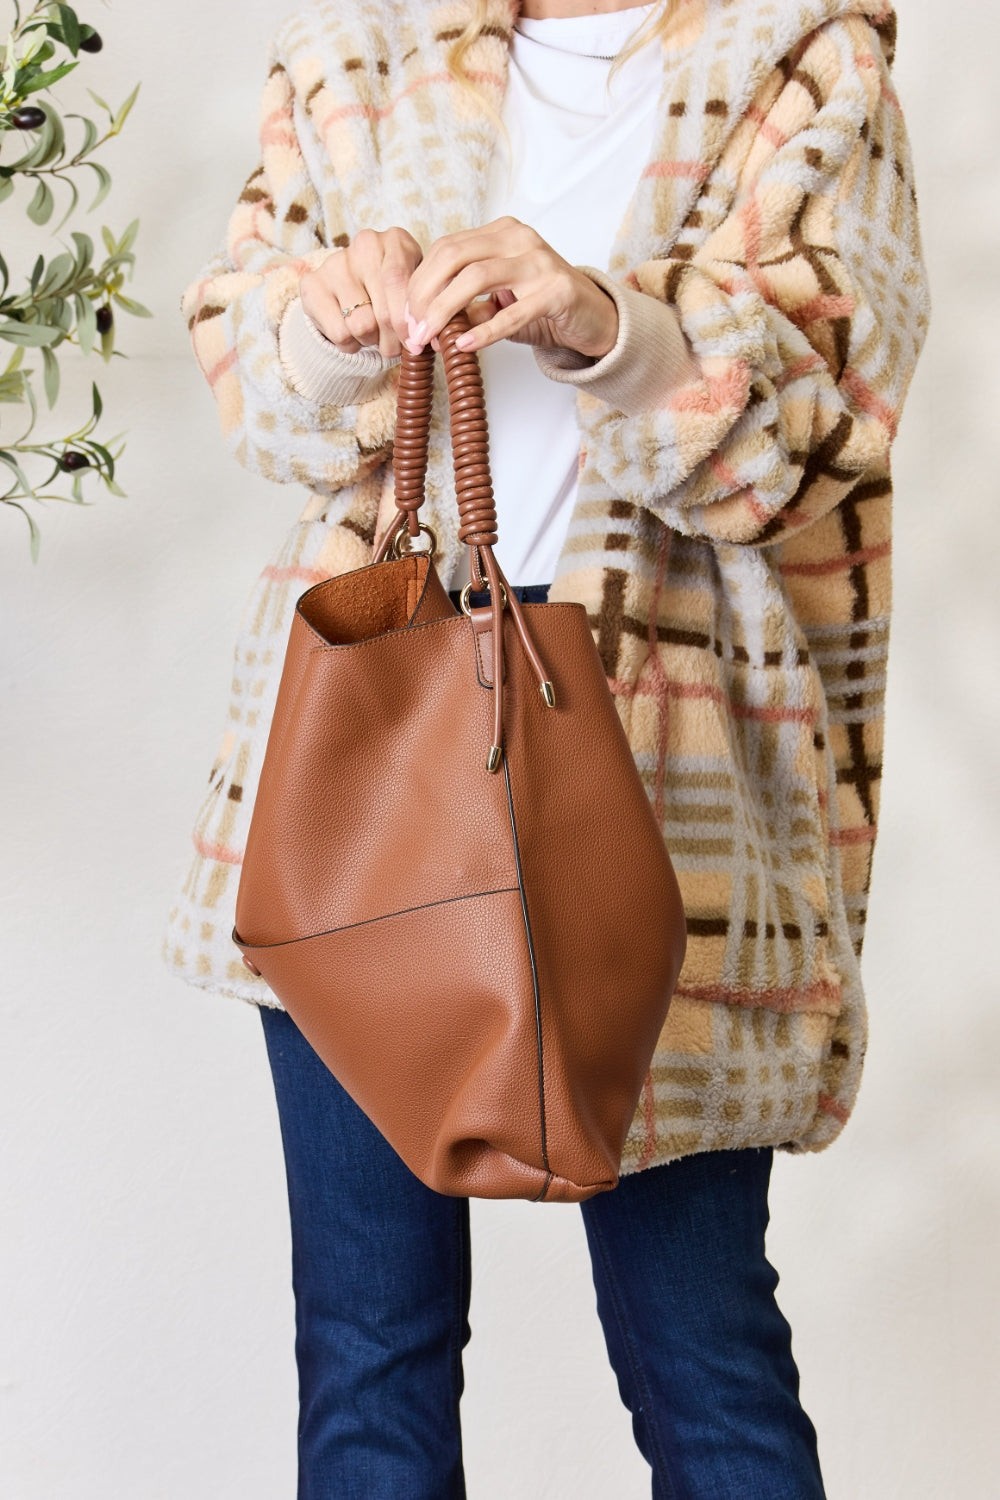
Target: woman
698,300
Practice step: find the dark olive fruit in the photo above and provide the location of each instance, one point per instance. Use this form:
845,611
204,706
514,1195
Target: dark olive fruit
75,461
105,318
91,43
28,117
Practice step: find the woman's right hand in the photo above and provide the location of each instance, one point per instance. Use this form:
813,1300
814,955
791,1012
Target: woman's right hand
378,264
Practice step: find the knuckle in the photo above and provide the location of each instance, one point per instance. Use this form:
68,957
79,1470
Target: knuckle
327,273
564,284
401,236
395,273
363,321
313,308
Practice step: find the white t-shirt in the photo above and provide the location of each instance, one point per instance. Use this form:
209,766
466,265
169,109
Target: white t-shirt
577,156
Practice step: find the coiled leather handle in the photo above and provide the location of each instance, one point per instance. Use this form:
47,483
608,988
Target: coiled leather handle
469,442
477,515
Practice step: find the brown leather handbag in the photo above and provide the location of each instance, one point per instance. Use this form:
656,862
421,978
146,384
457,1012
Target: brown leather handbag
454,881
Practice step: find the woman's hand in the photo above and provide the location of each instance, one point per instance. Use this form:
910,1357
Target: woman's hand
532,295
377,264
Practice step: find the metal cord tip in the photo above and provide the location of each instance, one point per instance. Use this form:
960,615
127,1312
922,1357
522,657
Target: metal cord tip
548,693
493,759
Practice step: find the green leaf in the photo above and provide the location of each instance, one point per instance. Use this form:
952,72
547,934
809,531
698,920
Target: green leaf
130,305
90,133
106,457
13,380
45,80
85,248
56,313
98,404
104,178
113,270
38,50
128,238
12,387
73,201
58,275
6,187
70,24
32,407
36,536
51,375
49,25
109,239
102,102
39,267
48,145
41,206
124,111
33,334
58,135
12,463
86,321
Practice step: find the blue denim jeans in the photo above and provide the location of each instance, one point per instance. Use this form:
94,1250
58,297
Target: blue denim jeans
381,1270
528,593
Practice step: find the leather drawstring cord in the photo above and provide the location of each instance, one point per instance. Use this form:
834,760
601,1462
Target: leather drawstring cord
473,488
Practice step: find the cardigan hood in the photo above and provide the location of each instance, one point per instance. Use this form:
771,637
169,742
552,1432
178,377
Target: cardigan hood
731,544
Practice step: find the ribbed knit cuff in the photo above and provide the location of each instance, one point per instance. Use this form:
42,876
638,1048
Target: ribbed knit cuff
650,358
320,371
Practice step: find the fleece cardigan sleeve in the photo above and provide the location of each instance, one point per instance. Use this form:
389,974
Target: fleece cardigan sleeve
289,421
650,356
319,370
799,283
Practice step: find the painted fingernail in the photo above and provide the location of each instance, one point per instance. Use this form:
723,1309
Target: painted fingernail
464,340
414,345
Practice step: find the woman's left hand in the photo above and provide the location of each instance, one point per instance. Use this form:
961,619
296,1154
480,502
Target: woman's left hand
531,295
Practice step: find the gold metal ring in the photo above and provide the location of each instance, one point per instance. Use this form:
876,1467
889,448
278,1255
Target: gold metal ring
409,550
464,598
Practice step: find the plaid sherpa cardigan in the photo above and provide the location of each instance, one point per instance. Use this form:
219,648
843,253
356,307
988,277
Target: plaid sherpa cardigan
731,545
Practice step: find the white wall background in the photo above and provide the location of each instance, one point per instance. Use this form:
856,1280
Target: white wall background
145,1302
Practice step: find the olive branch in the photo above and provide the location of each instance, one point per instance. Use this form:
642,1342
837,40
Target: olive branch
70,298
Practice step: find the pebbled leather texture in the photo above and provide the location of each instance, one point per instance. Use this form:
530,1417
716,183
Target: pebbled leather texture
483,959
